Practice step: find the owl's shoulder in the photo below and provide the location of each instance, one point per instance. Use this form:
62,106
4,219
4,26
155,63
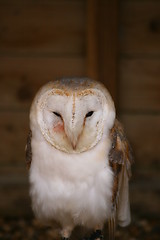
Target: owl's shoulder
120,160
121,152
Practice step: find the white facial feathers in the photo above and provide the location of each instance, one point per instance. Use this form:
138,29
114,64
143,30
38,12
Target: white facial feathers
74,121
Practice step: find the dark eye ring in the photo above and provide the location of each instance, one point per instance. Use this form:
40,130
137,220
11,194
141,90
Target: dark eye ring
89,114
57,114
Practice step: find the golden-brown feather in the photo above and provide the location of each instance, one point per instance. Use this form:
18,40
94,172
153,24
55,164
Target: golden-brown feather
120,158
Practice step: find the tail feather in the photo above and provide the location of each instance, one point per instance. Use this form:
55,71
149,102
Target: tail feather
112,228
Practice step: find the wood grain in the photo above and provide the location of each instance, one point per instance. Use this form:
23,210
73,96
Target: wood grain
43,40
14,128
20,78
102,43
53,27
140,85
108,28
140,27
14,190
143,132
92,39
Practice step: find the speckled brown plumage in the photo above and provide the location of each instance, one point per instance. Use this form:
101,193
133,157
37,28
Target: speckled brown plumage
120,158
120,154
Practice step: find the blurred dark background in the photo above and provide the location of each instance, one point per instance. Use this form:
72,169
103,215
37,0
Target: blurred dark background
116,42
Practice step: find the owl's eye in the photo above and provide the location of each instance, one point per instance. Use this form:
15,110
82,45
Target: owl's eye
57,114
89,114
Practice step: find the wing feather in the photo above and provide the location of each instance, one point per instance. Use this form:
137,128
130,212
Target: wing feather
120,160
28,150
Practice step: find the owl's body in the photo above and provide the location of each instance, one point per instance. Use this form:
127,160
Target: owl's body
78,163
73,189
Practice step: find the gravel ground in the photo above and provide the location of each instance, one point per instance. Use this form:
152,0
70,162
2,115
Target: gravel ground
31,229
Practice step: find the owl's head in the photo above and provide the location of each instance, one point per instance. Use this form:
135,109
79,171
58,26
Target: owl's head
73,115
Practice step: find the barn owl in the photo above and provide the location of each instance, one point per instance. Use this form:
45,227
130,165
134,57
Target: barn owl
79,158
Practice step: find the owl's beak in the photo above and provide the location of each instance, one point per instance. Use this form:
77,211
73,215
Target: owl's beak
73,140
73,137
73,127
74,144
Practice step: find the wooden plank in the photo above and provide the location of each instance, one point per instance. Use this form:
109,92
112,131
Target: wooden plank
102,49
144,134
92,39
20,78
139,85
14,129
108,29
15,201
140,27
145,197
14,197
14,188
53,27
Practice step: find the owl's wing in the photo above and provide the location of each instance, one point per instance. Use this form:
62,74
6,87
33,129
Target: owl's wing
29,150
120,160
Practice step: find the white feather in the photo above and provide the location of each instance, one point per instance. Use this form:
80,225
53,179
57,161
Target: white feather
72,187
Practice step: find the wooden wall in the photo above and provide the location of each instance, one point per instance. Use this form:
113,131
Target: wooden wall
42,40
139,95
39,41
139,81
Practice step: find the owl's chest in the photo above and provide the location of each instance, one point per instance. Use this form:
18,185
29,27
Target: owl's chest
51,164
61,181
